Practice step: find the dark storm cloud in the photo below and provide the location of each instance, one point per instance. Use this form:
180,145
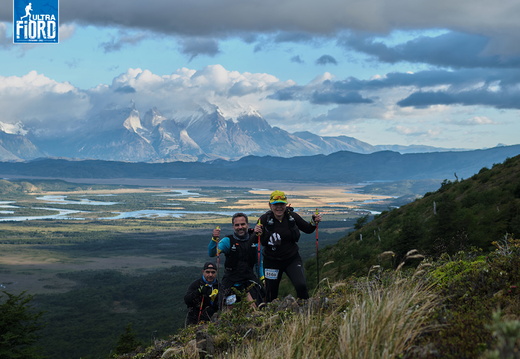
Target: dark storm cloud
496,21
325,60
293,37
297,59
5,40
340,98
125,89
326,93
504,99
453,49
492,87
123,39
293,93
199,46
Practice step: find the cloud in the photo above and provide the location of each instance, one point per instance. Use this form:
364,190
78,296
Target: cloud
66,31
325,60
322,93
123,39
415,131
497,22
297,59
51,106
186,90
484,87
452,49
321,98
394,100
295,37
194,46
503,99
125,89
4,40
475,121
34,99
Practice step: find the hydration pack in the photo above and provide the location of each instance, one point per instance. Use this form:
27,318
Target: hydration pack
269,224
241,253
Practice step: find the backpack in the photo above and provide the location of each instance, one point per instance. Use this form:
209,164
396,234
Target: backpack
241,251
269,224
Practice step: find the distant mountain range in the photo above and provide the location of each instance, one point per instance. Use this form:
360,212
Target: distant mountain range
338,167
127,135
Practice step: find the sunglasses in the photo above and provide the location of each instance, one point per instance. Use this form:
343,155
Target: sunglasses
279,197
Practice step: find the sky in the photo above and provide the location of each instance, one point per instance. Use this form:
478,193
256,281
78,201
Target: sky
442,73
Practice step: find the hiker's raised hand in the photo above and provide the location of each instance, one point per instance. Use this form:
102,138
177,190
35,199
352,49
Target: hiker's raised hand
258,228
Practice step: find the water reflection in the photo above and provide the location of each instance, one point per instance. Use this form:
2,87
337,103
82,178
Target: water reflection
63,214
62,199
66,213
166,213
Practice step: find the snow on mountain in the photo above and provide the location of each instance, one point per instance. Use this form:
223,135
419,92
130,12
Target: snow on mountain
133,122
125,134
17,147
13,128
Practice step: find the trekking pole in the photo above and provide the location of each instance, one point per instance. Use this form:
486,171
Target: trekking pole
217,239
218,270
263,292
317,251
200,309
259,250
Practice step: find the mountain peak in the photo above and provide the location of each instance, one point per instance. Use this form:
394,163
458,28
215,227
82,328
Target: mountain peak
13,128
133,122
251,111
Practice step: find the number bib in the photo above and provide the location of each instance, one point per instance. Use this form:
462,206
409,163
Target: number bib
271,273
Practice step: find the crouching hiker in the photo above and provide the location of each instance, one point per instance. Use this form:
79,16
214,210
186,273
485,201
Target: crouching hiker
202,294
242,262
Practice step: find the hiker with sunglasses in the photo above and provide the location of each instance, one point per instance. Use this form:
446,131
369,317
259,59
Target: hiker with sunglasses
279,230
202,296
241,264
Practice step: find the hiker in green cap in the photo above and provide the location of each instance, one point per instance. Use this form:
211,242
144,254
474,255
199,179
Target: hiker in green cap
279,230
242,261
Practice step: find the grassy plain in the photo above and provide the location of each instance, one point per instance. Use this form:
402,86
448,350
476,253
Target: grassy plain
127,249
33,252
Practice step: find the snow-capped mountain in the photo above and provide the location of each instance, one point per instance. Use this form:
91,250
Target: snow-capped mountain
129,135
14,146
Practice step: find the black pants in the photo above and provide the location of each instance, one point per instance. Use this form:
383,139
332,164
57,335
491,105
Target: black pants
294,270
247,286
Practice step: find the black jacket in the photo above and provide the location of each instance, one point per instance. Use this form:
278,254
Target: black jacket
279,239
198,293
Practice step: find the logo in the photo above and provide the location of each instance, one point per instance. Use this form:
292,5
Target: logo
35,21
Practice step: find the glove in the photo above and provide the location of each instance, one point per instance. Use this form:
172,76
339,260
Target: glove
213,294
262,280
316,218
205,290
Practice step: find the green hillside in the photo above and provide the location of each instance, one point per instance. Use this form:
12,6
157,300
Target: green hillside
437,278
460,215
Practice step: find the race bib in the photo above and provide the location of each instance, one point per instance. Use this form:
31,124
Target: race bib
271,273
